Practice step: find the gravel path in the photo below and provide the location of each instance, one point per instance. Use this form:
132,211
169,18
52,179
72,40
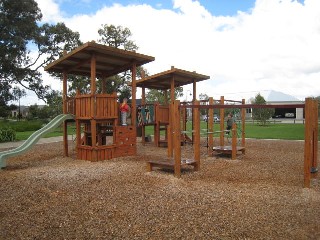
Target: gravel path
258,196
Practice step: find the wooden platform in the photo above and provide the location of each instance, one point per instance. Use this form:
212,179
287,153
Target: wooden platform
227,149
169,163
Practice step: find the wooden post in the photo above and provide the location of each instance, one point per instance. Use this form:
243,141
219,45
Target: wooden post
170,129
307,142
165,96
64,90
65,111
243,119
222,122
171,118
177,140
234,141
196,145
314,162
210,126
133,88
143,102
194,98
184,119
156,125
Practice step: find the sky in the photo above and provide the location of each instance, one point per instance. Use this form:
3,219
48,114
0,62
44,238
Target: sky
245,46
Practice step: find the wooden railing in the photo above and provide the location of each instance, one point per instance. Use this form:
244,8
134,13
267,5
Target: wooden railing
71,105
106,106
99,106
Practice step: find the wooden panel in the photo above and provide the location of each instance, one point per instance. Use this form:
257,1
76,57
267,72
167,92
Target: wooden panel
83,103
125,141
99,106
162,114
96,153
107,106
71,105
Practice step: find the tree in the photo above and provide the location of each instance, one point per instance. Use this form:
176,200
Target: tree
159,96
5,109
261,114
54,101
119,37
18,94
203,96
26,46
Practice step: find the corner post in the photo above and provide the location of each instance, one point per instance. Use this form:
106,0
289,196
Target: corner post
177,139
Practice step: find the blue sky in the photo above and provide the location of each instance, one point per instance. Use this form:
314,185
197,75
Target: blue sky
216,7
245,46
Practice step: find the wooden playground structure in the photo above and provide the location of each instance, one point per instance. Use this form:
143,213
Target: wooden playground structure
167,80
99,135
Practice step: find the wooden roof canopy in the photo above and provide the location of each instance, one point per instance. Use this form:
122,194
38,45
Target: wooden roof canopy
162,81
109,60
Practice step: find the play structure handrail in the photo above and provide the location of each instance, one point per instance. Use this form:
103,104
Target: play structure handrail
26,145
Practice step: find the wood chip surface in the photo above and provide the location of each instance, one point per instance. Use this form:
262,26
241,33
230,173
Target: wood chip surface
44,195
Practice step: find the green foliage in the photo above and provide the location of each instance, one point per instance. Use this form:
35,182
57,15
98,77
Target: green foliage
22,126
20,32
43,113
5,110
7,135
154,95
261,114
116,36
54,101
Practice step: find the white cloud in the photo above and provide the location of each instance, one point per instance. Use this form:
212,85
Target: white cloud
274,46
50,11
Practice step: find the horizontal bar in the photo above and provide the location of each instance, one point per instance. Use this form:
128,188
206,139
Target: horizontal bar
244,106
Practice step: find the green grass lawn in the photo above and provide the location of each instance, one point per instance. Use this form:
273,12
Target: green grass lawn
271,131
57,132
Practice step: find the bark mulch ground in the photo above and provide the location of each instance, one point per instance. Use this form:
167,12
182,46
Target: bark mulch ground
44,195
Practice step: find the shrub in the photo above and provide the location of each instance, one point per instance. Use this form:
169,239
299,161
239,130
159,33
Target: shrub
7,135
23,126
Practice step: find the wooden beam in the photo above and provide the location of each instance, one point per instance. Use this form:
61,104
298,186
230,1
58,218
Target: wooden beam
196,145
307,142
315,137
194,88
64,91
210,126
240,106
65,111
234,141
143,102
222,121
177,139
172,89
243,119
134,89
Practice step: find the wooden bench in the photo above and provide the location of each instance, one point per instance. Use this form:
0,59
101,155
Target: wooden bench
169,163
227,149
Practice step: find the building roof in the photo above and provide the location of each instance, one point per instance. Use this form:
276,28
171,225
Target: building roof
109,60
162,81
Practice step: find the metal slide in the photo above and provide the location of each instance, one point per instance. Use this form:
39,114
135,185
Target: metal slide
26,145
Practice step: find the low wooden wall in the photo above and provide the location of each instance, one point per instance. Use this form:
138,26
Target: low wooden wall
98,106
124,145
